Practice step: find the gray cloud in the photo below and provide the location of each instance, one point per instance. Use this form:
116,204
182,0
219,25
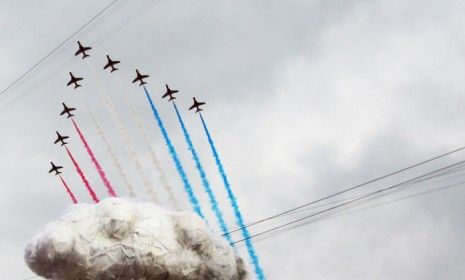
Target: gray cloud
303,98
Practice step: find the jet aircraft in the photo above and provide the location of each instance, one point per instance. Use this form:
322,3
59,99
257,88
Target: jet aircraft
74,80
140,78
170,93
61,139
111,63
82,50
67,110
196,105
55,169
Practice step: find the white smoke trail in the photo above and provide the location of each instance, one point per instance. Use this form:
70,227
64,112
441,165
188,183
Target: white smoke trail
156,162
123,133
109,149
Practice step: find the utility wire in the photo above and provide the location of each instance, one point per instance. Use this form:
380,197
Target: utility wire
404,185
332,202
355,196
352,188
32,277
323,218
418,178
58,47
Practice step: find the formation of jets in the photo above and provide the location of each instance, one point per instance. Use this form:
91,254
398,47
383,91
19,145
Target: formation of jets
111,64
55,169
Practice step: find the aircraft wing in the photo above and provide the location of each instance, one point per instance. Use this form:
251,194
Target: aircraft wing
70,82
135,80
79,79
107,65
193,106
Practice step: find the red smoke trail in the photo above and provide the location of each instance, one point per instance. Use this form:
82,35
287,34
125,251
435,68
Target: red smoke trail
68,190
100,171
84,180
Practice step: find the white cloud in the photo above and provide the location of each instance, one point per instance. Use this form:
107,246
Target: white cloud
122,239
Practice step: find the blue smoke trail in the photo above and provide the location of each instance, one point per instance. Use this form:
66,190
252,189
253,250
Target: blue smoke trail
233,201
211,196
187,186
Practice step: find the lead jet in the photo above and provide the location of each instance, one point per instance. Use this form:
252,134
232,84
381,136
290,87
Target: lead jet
140,78
74,80
170,92
196,105
55,169
67,110
82,50
61,139
111,63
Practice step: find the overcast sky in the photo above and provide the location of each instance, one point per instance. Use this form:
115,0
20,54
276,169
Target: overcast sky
304,98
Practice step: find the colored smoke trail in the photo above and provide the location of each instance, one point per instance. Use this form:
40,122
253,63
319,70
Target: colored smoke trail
124,135
187,186
68,190
109,149
232,199
153,156
211,196
83,177
99,168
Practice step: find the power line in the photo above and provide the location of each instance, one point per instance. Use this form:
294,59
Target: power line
332,202
354,196
418,178
438,189
58,47
351,188
32,277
